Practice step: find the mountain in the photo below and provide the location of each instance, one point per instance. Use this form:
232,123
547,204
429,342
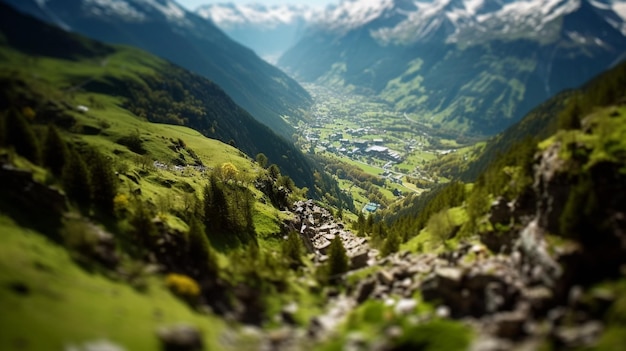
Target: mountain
165,29
268,30
141,84
470,66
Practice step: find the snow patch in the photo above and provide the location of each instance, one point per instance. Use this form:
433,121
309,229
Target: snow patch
620,9
232,15
114,7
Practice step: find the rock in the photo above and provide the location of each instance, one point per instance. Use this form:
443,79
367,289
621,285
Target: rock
510,325
449,276
442,311
405,306
500,212
365,289
97,345
384,277
359,260
393,332
499,242
288,313
180,337
540,298
579,336
532,246
489,343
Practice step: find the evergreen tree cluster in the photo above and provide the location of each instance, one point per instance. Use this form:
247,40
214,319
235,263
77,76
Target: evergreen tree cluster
86,175
409,222
228,213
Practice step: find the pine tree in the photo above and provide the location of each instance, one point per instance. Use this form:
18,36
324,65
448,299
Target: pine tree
570,117
75,179
20,135
216,214
143,229
392,244
274,171
199,249
55,151
292,249
360,224
369,224
261,159
103,182
337,258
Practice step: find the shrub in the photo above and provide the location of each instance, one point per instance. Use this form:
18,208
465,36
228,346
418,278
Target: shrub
133,142
183,286
20,135
440,226
435,335
120,203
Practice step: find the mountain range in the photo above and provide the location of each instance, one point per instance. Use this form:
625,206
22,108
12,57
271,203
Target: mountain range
474,66
268,30
164,28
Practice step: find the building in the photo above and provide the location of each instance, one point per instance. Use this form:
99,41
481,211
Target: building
370,207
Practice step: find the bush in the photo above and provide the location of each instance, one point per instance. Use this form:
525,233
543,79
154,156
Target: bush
440,335
183,286
133,142
440,226
19,134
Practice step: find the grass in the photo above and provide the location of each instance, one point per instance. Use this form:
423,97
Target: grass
425,241
167,189
66,305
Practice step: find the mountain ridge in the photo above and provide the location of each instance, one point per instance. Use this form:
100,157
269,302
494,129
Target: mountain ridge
462,75
167,30
152,89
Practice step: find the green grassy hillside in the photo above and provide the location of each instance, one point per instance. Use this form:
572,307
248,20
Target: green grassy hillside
121,79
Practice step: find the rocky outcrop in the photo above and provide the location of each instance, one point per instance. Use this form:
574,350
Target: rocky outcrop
317,228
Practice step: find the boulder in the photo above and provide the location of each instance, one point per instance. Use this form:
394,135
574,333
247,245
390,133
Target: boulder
180,337
365,289
578,336
500,212
96,345
384,277
288,313
359,260
405,306
510,325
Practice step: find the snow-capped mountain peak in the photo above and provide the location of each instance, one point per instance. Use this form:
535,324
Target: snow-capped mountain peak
462,20
138,10
228,15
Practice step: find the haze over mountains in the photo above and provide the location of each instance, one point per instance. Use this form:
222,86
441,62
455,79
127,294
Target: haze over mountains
473,66
268,30
164,28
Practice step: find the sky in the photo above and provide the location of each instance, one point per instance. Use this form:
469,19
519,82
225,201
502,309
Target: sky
193,4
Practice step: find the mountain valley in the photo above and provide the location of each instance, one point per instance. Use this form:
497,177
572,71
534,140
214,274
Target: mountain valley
466,66
448,175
